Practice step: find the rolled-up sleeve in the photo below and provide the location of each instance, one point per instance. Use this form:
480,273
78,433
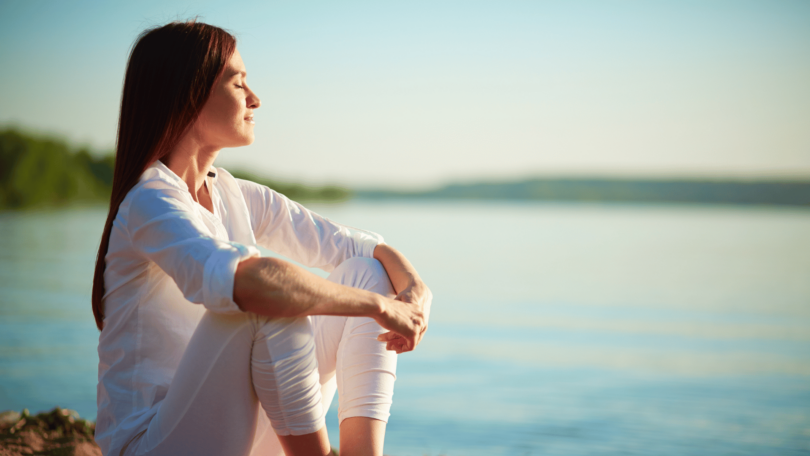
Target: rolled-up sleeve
163,230
288,228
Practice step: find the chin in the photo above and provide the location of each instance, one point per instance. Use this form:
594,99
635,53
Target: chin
244,140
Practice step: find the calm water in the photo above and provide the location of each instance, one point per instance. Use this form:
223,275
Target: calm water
556,329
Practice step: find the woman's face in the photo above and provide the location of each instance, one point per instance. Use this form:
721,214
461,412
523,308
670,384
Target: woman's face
226,120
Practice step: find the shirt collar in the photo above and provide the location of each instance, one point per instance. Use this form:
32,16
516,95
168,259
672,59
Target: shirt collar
162,172
212,174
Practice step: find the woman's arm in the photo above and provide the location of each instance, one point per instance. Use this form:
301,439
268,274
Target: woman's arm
277,288
290,229
410,289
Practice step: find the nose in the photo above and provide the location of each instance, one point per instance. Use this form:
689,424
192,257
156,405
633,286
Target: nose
253,101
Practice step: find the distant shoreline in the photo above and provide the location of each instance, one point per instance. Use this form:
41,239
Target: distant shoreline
597,190
38,172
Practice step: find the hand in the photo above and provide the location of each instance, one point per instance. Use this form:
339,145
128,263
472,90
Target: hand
417,300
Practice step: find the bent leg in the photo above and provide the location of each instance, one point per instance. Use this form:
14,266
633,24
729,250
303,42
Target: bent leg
361,436
212,406
350,355
286,380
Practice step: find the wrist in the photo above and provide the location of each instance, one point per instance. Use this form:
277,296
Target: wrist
377,306
417,286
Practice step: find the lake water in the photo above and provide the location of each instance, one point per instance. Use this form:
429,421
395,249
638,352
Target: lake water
556,329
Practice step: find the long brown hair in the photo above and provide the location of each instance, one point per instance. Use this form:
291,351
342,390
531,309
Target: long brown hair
169,77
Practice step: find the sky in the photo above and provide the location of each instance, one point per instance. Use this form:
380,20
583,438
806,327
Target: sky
418,94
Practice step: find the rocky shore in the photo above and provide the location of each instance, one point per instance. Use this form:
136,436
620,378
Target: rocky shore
59,432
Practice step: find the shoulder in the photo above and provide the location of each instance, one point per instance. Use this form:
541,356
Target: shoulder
247,189
227,180
153,195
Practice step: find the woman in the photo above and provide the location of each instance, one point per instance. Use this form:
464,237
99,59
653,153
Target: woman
176,377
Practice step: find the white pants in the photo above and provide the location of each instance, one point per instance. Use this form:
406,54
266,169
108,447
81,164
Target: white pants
291,367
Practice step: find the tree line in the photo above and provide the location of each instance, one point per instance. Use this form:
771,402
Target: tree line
40,171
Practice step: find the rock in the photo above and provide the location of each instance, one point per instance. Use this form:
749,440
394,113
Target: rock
86,449
32,440
59,432
9,417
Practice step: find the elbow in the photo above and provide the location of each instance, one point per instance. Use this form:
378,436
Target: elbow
256,286
244,288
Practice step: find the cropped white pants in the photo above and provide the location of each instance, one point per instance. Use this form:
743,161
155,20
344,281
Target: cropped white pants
291,367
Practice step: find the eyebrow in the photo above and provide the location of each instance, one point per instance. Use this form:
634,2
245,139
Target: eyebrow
243,73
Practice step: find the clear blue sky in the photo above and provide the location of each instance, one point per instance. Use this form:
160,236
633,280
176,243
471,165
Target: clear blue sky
417,93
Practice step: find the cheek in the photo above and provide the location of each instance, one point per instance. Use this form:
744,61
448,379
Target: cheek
221,107
223,120
230,113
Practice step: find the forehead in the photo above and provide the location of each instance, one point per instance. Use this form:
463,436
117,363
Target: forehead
235,65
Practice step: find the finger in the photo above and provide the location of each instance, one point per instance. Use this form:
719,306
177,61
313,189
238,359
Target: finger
408,345
421,334
397,342
390,335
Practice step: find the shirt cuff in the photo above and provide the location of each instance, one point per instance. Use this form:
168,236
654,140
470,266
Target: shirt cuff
220,269
365,243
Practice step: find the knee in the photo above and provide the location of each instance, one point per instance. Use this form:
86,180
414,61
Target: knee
285,376
291,333
365,273
361,264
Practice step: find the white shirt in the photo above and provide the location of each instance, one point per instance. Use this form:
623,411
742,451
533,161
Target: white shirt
168,253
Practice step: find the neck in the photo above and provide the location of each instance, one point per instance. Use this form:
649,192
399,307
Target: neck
191,160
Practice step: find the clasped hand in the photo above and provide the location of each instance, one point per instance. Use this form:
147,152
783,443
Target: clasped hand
406,317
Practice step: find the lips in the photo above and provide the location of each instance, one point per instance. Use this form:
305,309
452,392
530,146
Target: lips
249,119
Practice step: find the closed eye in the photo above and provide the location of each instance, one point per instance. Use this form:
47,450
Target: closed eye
241,87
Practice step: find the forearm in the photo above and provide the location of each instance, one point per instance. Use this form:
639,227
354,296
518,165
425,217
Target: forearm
399,269
411,291
277,288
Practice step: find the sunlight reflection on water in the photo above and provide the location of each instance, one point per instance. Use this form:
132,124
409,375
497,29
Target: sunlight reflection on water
556,329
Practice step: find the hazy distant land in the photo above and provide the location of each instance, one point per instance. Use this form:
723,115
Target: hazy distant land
775,192
40,171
